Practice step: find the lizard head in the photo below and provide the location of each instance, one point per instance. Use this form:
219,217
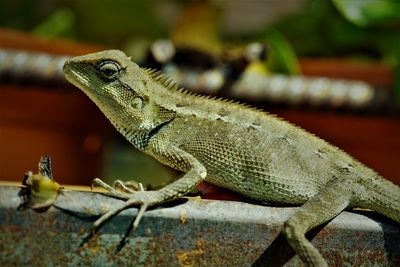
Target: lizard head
119,87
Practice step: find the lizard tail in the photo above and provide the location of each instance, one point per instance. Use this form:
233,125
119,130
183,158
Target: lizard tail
382,196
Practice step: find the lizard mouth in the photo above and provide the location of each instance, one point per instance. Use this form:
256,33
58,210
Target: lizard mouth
73,76
67,68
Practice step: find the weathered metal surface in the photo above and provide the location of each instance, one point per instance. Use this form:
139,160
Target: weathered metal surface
194,233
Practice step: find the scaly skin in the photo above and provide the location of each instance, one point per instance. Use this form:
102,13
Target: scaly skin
229,145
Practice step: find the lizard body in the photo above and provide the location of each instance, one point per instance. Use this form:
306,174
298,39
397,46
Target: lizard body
229,145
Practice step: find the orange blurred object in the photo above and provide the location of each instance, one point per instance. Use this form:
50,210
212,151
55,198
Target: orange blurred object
35,121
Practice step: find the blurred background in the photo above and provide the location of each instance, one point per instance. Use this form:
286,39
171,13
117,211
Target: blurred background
329,66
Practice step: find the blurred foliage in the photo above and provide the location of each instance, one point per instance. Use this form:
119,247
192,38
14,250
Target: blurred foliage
378,15
281,56
320,30
104,21
60,23
21,15
368,30
317,30
108,22
370,12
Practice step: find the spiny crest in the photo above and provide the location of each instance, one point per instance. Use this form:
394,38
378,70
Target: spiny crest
170,84
233,102
161,78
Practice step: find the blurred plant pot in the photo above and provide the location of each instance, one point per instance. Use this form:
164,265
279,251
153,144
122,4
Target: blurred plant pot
377,74
66,125
62,123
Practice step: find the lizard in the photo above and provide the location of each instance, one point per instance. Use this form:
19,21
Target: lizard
228,144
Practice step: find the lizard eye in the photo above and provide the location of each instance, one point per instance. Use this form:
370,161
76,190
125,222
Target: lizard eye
109,70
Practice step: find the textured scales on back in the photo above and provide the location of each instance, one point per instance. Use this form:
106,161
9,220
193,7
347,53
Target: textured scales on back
230,145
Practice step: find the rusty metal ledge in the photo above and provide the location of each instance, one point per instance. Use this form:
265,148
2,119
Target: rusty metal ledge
194,233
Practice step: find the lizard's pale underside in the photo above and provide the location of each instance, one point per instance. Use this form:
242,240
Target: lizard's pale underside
229,145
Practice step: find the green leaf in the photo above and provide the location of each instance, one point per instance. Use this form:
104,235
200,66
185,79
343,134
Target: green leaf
282,57
59,24
369,12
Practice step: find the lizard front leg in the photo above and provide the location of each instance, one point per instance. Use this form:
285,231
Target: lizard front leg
333,199
195,174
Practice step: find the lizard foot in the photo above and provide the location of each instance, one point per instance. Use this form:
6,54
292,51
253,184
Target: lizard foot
128,187
119,189
144,199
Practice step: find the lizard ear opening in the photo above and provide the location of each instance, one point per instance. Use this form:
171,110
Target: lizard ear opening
137,103
109,70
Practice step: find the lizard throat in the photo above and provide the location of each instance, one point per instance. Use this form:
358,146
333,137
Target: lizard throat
141,138
153,132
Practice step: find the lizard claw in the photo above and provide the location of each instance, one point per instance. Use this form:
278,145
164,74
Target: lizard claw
139,216
128,187
105,217
99,182
139,198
